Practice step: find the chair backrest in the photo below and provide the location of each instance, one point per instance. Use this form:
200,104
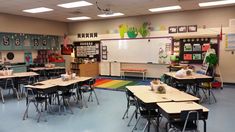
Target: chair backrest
92,82
129,95
192,115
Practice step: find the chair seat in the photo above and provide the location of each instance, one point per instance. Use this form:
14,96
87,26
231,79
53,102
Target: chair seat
86,88
67,94
180,124
145,113
40,99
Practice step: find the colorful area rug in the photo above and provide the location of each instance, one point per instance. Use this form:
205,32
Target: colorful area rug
114,84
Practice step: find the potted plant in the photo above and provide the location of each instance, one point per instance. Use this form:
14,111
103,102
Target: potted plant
132,32
212,60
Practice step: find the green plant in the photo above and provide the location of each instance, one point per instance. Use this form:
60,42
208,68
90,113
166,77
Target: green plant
144,30
132,32
212,60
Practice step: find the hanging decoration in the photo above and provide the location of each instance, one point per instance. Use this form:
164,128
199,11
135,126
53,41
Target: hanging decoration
122,30
6,40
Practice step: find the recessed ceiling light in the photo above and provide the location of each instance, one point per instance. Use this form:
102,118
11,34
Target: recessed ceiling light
167,8
215,3
75,4
79,18
38,10
111,15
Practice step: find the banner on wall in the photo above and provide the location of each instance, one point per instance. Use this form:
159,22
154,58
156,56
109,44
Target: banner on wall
28,58
230,42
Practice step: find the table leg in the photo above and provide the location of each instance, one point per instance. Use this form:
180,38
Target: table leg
148,121
204,125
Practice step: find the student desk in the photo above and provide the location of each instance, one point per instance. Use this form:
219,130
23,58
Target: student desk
44,71
174,68
14,80
194,79
134,70
46,68
172,110
54,85
150,98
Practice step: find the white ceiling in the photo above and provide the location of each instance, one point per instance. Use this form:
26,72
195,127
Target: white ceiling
128,7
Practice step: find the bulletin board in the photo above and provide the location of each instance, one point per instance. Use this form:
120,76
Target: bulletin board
87,49
140,50
193,50
230,42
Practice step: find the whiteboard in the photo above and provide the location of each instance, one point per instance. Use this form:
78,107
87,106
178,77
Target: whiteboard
149,50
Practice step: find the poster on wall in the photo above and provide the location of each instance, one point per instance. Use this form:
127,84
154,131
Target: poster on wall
28,58
67,50
230,42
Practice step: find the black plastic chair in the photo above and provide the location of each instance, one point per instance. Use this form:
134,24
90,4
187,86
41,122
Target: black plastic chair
89,88
130,102
146,113
188,121
38,99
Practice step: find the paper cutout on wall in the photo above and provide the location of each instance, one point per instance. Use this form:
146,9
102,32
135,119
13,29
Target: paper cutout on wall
205,47
28,58
187,47
196,47
197,57
187,56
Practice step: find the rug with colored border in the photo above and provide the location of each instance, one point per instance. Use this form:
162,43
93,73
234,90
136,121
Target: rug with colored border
112,84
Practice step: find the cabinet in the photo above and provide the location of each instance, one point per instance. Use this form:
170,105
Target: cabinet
85,70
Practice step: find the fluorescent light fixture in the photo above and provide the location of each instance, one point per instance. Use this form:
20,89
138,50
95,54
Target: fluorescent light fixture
111,15
216,3
38,10
79,18
75,4
167,8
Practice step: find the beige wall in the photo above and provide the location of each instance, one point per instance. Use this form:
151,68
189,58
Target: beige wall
212,18
21,24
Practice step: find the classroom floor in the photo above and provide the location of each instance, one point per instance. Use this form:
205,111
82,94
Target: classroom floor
106,117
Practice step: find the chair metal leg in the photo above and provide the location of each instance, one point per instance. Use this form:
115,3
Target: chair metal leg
125,114
96,97
70,108
131,118
145,126
134,128
26,111
1,90
84,100
213,96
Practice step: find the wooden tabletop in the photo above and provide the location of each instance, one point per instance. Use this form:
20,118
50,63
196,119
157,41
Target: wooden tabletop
60,82
20,74
41,86
46,68
25,74
145,94
177,107
193,76
5,77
